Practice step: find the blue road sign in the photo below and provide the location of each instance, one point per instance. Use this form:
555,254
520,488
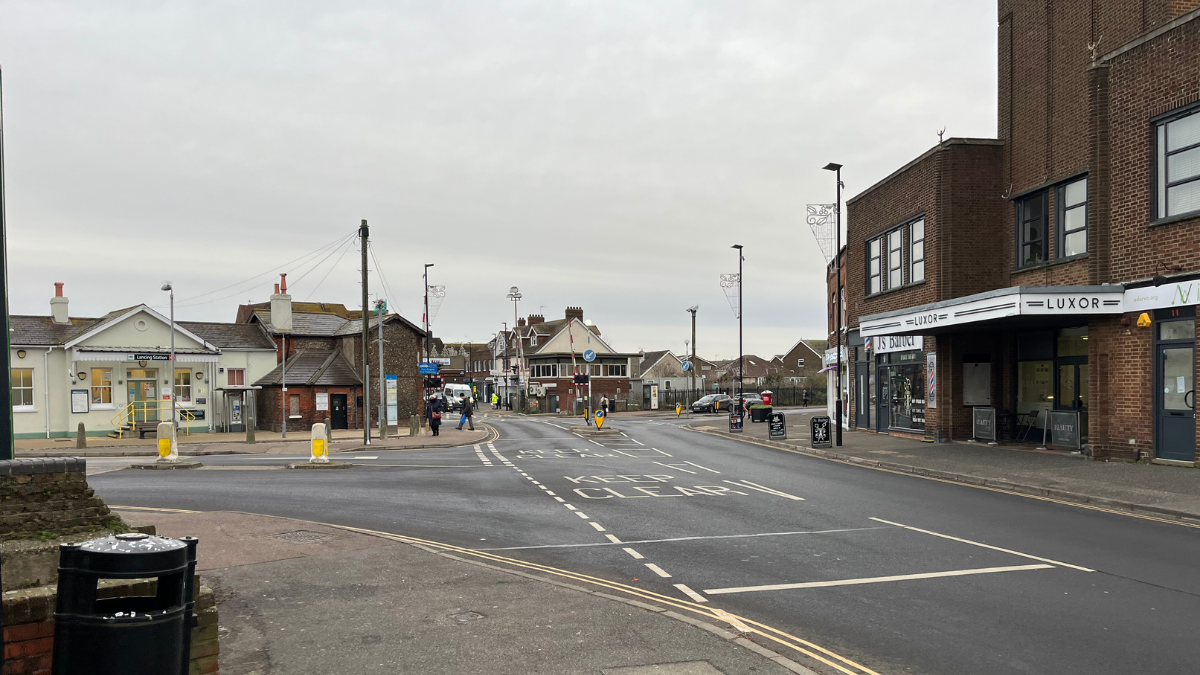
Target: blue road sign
426,368
687,365
589,355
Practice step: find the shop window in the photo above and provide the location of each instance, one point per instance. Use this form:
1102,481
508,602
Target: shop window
1177,330
874,262
1072,342
1031,230
1072,219
22,389
236,377
916,247
183,385
1177,164
1035,388
895,241
616,370
101,387
293,405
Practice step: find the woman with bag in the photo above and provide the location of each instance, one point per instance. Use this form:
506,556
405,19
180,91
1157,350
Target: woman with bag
433,413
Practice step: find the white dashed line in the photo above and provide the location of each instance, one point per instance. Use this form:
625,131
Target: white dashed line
559,499
569,506
599,528
613,539
549,492
658,570
635,554
581,514
690,593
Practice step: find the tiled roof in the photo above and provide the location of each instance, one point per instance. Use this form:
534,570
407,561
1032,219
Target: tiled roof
230,335
318,325
354,326
41,330
313,367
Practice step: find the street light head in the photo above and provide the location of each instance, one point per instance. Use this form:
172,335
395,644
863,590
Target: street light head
737,246
428,265
514,290
693,308
167,286
832,166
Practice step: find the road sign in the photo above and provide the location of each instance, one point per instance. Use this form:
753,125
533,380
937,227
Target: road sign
776,427
822,429
600,418
427,368
589,355
687,365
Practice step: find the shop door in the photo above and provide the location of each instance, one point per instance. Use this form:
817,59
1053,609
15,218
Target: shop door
883,407
1175,403
337,412
144,395
862,396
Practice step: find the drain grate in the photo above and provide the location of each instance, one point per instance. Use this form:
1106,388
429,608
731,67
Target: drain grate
302,537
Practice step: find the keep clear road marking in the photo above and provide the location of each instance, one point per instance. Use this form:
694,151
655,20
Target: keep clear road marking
877,580
761,488
680,467
658,570
982,545
696,597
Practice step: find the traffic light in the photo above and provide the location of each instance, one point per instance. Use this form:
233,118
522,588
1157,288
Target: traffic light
581,378
434,382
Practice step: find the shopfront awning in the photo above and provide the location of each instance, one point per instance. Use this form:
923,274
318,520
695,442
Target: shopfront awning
1028,305
134,355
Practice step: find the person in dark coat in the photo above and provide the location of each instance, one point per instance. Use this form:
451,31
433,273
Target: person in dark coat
434,408
467,409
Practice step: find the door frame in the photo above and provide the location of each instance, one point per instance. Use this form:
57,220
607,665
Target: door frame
1159,346
345,409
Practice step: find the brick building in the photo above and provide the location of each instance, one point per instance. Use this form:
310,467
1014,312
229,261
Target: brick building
1051,274
554,352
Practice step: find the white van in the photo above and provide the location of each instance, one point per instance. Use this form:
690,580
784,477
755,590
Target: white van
451,393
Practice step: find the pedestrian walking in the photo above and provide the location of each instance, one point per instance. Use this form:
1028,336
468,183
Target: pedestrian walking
805,398
604,405
495,401
434,408
467,410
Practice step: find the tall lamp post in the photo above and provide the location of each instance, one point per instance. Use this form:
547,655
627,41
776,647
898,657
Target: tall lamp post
837,306
692,369
427,266
741,373
174,414
514,294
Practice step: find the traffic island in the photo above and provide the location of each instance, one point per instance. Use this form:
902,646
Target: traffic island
321,465
166,466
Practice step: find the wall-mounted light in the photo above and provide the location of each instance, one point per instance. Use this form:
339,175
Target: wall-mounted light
20,353
81,375
199,375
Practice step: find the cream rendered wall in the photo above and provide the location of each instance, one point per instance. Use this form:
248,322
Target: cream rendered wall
125,334
256,362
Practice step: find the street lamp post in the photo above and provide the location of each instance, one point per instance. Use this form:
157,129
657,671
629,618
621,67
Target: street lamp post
174,415
514,294
692,369
741,373
427,266
837,306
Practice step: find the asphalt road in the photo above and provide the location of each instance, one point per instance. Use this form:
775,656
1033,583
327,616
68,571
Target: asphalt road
898,573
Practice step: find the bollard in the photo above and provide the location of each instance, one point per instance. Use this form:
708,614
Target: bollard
328,435
319,445
414,426
168,448
81,437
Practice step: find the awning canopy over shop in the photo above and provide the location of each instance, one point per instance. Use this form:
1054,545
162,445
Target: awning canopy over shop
1017,306
131,355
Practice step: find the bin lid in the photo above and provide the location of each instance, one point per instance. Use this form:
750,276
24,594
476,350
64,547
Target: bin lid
123,555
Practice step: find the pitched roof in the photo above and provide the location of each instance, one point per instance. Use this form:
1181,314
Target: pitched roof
313,367
651,359
41,330
354,326
303,323
230,335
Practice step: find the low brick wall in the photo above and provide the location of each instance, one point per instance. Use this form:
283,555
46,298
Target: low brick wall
29,627
48,495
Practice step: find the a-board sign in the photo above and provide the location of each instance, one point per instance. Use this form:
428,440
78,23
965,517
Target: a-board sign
589,355
427,368
822,432
1064,428
984,423
735,421
776,427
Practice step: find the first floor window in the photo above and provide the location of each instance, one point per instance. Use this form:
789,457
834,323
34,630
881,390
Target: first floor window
102,386
1072,219
895,259
916,247
183,385
1031,230
874,262
616,370
22,388
236,377
1177,164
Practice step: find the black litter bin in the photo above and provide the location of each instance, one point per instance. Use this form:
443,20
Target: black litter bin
139,635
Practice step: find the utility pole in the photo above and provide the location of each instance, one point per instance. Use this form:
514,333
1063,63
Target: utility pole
427,266
741,372
379,305
837,307
174,414
514,294
364,234
692,310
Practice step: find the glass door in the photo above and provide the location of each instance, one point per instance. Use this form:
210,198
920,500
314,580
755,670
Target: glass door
1176,403
142,386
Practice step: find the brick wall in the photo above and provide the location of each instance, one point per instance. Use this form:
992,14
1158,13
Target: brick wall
48,495
401,353
29,627
270,410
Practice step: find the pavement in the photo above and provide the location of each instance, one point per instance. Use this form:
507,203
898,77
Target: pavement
300,597
1167,491
841,567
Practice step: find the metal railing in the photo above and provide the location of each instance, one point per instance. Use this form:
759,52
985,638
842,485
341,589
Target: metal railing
148,412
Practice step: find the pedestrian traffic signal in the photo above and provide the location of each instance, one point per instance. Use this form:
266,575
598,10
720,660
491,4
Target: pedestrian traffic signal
581,378
435,382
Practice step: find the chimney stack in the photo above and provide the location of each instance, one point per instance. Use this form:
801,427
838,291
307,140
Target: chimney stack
281,307
574,313
535,319
58,305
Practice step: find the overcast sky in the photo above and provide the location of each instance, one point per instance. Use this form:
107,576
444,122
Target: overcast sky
596,153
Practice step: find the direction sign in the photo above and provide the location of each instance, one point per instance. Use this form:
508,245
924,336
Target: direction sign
589,355
427,368
687,365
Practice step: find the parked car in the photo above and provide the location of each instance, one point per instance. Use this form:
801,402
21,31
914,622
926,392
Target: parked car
451,393
712,403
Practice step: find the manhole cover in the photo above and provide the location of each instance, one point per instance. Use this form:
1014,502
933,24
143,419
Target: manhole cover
301,537
466,616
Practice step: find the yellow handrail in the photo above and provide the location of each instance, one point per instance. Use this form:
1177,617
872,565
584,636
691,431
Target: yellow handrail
146,412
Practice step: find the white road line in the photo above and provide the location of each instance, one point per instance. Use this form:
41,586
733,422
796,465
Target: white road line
658,570
637,441
675,468
569,506
761,488
635,554
982,545
877,580
732,620
549,492
599,528
691,594
371,457
661,452
702,467
597,443
614,539
714,536
581,514
559,499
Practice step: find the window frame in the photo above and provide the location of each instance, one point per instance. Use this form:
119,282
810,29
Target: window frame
877,258
1021,220
912,256
897,234
186,387
102,405
1060,218
1159,183
30,407
229,377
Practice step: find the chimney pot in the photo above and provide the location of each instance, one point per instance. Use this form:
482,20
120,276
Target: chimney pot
283,283
276,289
58,286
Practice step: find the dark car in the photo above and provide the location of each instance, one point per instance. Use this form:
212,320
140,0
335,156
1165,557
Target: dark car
712,403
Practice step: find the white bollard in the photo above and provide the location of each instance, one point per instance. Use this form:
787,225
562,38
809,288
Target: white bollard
168,447
319,445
